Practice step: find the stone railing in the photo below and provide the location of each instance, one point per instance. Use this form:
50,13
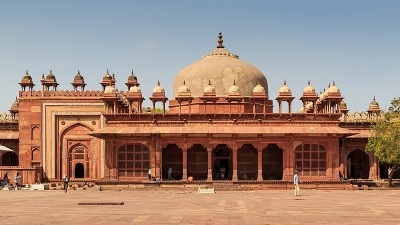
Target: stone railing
62,93
7,117
29,175
361,117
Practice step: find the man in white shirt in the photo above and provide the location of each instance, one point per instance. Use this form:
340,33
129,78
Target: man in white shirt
17,181
296,180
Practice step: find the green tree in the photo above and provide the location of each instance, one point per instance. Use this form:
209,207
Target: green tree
385,139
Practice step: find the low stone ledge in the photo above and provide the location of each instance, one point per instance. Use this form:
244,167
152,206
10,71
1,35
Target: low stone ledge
100,203
39,187
205,190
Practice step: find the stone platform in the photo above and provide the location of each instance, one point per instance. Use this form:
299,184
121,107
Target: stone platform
179,207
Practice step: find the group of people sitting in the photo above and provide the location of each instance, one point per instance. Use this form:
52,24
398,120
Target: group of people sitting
5,181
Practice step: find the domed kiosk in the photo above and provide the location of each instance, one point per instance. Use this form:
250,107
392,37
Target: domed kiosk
222,69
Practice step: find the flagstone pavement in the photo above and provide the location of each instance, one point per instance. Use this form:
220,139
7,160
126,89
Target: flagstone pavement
178,207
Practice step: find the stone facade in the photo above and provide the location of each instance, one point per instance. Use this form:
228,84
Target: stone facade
209,135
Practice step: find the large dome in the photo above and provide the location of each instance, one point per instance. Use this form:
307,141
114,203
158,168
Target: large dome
221,68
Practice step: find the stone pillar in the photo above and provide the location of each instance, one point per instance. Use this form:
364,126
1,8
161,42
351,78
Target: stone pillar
209,164
153,160
158,164
373,171
288,164
184,163
234,162
259,164
158,158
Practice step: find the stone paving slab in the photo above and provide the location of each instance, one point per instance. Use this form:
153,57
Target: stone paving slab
177,207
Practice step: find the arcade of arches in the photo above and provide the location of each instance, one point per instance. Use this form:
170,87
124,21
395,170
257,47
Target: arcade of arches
219,162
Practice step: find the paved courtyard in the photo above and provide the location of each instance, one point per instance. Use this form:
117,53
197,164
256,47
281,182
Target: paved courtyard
177,207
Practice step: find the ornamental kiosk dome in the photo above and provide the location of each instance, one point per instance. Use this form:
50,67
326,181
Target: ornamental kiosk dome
132,76
27,76
50,76
107,76
309,88
209,88
258,89
158,89
343,105
374,106
135,89
285,89
234,89
221,67
78,76
110,90
184,89
333,89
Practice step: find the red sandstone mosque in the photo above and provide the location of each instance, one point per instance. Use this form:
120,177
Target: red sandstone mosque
220,125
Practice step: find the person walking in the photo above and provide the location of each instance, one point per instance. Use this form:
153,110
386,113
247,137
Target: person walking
65,181
170,173
296,180
149,174
17,181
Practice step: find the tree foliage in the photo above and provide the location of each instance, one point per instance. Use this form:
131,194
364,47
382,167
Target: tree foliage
385,139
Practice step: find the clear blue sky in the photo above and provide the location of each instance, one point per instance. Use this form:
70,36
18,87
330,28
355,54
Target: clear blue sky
354,43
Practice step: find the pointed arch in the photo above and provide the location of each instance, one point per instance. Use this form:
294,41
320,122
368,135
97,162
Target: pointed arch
358,164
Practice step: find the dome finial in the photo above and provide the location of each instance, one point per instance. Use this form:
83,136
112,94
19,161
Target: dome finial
209,82
220,41
184,82
374,97
234,82
309,83
132,71
333,83
158,83
79,72
284,82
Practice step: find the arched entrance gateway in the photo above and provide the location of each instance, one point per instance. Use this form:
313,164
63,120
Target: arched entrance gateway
79,162
222,162
358,165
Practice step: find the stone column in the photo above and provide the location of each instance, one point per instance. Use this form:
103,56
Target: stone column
288,164
374,165
209,164
184,163
234,162
153,159
158,158
259,164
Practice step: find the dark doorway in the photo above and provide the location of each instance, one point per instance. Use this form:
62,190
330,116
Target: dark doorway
358,165
172,156
197,161
272,162
79,170
222,163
